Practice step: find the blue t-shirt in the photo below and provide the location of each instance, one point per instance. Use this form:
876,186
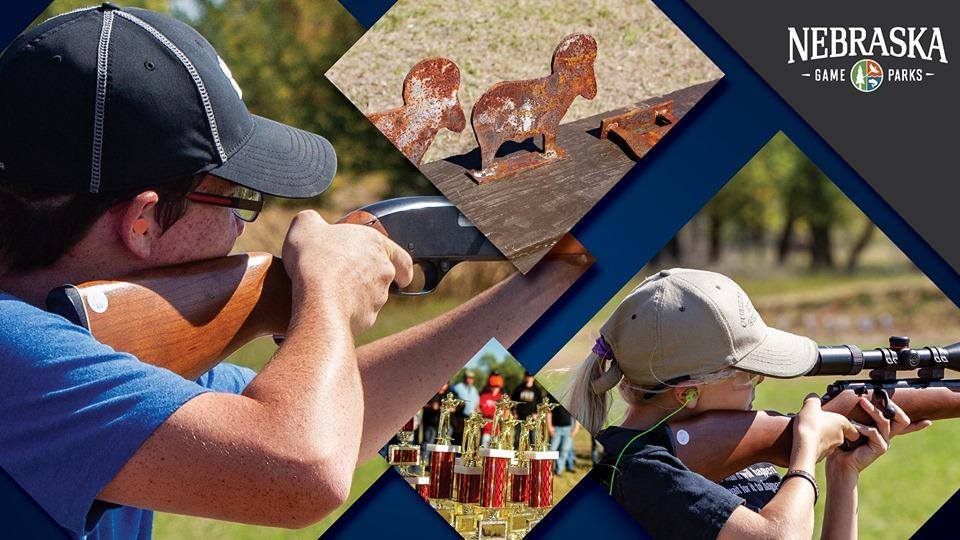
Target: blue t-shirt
470,396
73,411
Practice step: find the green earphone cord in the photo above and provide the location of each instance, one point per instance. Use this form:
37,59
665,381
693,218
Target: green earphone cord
616,465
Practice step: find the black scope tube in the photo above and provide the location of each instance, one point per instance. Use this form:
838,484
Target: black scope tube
850,360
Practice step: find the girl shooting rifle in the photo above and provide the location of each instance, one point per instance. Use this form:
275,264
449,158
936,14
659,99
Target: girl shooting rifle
686,342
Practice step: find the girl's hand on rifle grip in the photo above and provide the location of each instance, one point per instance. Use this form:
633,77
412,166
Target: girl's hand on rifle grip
817,433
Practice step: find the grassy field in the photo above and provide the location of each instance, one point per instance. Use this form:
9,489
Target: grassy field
887,296
641,53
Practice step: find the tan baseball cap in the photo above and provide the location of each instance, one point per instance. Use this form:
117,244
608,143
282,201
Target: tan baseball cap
683,322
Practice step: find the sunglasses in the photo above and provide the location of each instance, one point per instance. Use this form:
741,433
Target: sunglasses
246,203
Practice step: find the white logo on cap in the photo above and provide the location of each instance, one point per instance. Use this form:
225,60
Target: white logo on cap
226,71
748,314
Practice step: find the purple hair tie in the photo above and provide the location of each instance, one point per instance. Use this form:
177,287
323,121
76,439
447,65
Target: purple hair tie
602,349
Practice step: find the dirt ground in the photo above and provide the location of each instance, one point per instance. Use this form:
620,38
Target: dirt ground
641,53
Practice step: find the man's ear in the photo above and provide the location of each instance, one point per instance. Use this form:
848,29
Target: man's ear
688,396
138,226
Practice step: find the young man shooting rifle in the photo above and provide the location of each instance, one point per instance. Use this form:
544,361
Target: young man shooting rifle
126,146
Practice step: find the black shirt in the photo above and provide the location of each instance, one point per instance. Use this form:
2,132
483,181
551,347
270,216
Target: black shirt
528,398
561,418
756,484
661,493
431,416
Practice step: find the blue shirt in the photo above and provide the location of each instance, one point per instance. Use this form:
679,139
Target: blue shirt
470,396
73,411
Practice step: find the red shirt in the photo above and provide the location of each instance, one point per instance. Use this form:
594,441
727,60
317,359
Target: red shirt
488,406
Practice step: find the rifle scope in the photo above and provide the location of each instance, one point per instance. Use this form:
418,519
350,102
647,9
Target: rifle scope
850,359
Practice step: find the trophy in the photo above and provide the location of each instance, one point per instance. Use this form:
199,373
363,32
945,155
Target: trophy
406,458
520,471
442,460
468,475
541,463
405,454
496,462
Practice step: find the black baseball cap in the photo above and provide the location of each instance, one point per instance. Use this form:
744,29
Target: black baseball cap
107,98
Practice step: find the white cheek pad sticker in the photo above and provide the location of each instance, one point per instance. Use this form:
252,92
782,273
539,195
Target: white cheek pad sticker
683,437
97,301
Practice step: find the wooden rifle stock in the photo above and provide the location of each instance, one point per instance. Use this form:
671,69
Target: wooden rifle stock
186,318
189,317
723,442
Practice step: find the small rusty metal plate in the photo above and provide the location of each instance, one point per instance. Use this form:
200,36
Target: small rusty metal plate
640,128
430,103
518,110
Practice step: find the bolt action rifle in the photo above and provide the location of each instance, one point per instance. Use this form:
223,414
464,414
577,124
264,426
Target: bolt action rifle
189,317
720,443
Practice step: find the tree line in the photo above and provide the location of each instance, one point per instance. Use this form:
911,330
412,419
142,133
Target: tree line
781,201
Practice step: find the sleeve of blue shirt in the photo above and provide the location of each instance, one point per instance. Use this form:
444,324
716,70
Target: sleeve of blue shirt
74,410
228,378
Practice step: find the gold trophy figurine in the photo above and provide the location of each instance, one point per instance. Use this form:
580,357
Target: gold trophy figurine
508,431
448,406
472,432
527,427
502,417
542,435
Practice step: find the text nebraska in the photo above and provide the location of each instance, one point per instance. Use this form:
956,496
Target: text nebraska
818,42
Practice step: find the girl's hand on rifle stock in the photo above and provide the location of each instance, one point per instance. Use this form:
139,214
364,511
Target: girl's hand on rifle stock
878,439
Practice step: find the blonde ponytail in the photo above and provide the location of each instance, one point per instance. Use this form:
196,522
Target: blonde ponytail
587,396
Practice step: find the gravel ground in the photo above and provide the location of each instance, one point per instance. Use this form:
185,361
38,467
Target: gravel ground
641,53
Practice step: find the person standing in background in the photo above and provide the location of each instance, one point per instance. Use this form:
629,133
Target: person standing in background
562,430
488,403
466,391
528,394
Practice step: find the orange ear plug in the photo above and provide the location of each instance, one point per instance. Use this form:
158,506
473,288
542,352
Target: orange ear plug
140,226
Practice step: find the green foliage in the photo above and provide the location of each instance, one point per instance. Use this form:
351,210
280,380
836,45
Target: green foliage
511,370
278,52
780,196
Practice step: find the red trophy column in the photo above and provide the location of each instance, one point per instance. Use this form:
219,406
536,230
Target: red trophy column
493,492
468,480
541,478
442,461
519,484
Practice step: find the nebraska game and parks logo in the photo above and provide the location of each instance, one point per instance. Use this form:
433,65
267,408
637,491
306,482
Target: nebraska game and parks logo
866,75
913,53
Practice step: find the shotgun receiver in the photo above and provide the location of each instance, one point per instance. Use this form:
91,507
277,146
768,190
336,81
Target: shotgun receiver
720,443
189,317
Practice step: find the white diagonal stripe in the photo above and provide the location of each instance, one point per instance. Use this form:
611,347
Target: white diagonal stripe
99,109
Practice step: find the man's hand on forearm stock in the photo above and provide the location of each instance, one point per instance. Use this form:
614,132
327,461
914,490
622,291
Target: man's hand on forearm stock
401,372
